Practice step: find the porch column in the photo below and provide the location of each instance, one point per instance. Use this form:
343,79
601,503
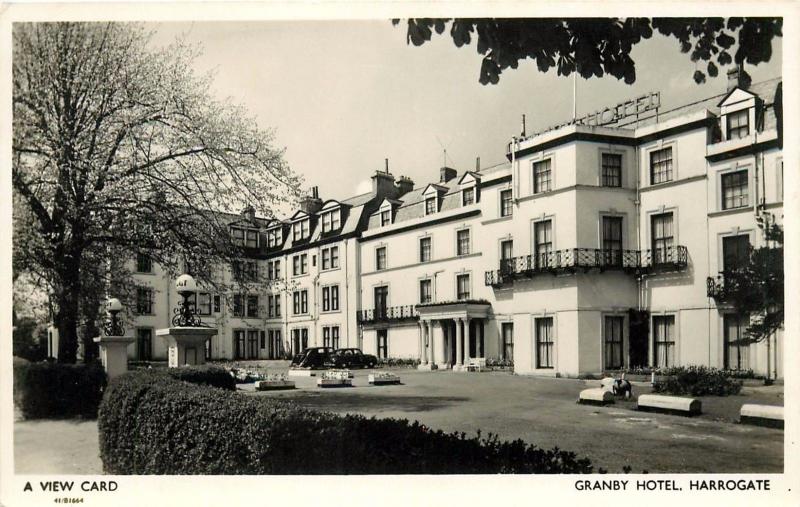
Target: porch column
432,341
444,342
422,358
458,341
467,350
479,330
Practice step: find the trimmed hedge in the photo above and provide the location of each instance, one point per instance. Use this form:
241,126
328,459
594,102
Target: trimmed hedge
697,381
213,376
151,424
55,390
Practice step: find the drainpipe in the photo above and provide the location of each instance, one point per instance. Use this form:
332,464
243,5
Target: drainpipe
515,167
638,205
346,295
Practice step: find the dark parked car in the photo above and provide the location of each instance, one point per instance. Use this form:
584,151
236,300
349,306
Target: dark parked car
352,358
313,357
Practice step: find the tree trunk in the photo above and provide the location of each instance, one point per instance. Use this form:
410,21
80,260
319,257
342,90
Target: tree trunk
68,299
90,310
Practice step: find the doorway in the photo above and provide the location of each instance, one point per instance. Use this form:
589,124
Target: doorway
638,338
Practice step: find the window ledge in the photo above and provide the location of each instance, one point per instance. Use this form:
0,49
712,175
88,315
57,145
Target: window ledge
732,211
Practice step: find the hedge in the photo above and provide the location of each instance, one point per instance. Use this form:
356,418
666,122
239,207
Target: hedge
55,390
697,381
151,424
214,376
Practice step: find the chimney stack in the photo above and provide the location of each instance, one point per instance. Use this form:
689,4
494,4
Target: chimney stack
446,174
737,77
523,126
478,164
383,184
249,213
311,203
404,185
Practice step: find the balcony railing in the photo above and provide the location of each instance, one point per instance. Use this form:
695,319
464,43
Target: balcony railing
586,259
388,314
716,288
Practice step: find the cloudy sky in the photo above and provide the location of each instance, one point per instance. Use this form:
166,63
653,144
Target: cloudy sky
345,95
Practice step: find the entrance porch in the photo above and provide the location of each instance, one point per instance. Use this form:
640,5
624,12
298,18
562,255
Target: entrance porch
450,334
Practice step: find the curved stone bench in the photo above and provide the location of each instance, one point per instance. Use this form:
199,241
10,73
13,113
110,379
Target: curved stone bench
669,404
762,415
595,396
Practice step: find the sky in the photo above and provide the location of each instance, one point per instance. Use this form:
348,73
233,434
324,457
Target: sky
343,96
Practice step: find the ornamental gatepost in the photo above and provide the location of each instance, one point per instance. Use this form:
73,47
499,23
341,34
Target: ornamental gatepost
186,338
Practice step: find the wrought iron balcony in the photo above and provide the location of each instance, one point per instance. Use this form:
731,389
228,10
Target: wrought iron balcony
715,287
388,314
574,259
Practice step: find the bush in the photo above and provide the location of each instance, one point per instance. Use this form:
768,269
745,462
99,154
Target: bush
214,376
398,361
697,381
151,424
54,390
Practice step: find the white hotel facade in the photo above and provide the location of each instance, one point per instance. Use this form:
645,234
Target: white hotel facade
594,248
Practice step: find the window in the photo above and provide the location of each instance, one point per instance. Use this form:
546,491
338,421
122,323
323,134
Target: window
664,338
252,306
386,217
382,345
430,205
462,242
275,343
544,342
662,237
467,196
735,251
330,258
507,329
543,243
245,271
300,264
381,300
274,237
263,340
245,343
330,298
144,344
238,309
144,301
542,176
425,292
244,237
506,205
612,240
612,169
613,342
425,249
738,124
300,230
274,269
144,264
299,340
217,304
380,258
274,305
462,287
734,189
331,221
330,336
661,165
201,301
507,256
300,302
252,343
737,348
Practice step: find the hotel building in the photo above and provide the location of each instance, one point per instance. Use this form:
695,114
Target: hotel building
597,246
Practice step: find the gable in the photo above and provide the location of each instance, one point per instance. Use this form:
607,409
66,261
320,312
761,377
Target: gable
299,215
432,190
469,179
735,96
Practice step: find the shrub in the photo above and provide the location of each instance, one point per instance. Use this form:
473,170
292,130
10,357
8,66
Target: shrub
54,390
151,424
398,361
697,381
214,376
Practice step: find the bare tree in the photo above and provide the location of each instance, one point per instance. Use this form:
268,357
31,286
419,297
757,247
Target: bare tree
120,148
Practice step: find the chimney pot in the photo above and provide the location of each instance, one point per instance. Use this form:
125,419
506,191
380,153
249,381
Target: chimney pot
446,174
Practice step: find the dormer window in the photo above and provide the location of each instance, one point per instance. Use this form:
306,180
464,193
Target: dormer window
386,217
430,205
247,238
738,124
468,196
274,237
331,220
301,229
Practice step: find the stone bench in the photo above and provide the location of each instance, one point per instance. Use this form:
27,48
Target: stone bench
274,385
382,379
669,404
770,416
595,396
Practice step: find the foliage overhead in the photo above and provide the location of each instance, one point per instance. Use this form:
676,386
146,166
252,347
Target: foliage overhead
597,46
120,148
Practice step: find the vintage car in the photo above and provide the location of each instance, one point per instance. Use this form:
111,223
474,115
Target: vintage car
351,358
313,357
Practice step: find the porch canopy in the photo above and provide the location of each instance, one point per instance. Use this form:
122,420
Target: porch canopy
462,331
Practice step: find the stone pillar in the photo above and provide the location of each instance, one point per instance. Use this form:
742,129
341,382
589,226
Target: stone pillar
186,345
459,335
479,330
432,341
422,358
114,353
427,350
467,351
445,331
